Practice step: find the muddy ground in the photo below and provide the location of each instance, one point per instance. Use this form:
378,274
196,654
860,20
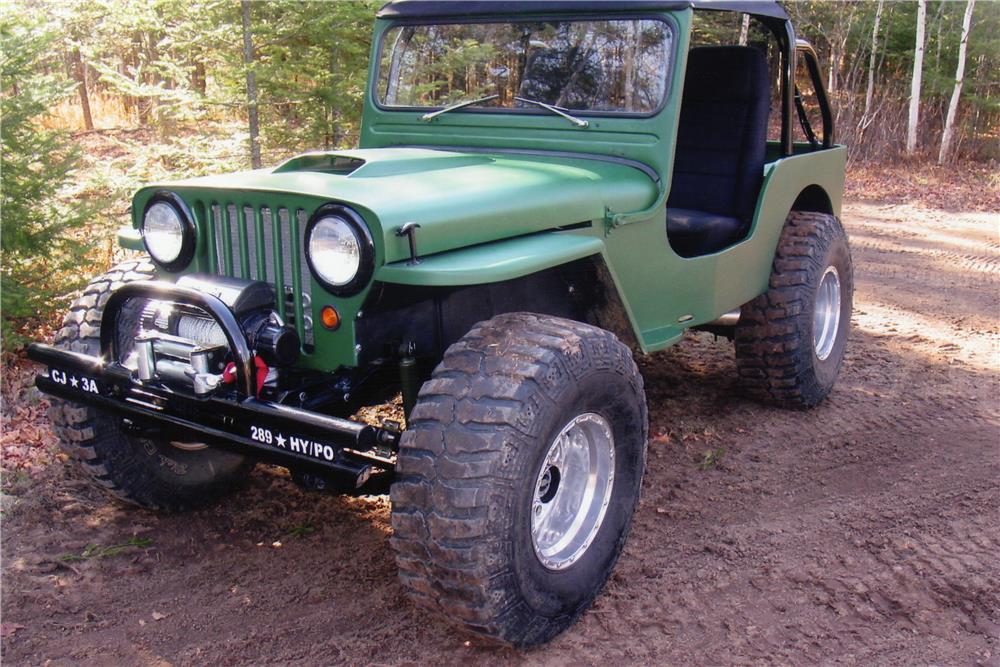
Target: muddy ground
866,531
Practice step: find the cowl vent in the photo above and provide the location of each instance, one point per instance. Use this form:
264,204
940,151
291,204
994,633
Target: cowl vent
324,163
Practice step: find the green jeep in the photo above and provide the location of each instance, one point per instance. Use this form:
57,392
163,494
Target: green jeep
541,189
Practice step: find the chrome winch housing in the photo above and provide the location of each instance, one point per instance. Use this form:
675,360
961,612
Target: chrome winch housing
182,345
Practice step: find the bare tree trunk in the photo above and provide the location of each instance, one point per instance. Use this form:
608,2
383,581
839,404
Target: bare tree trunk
831,82
949,124
143,105
744,30
937,47
253,120
918,69
80,71
870,92
633,53
199,76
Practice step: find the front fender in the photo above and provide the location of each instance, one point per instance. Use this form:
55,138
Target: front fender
493,262
130,238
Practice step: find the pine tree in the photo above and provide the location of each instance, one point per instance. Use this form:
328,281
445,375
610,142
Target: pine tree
36,250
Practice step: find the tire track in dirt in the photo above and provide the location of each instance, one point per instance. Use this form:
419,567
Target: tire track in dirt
910,580
987,263
968,243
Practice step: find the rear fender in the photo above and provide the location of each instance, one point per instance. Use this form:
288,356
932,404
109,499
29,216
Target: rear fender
808,181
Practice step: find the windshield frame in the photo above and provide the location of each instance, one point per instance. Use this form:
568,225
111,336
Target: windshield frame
667,19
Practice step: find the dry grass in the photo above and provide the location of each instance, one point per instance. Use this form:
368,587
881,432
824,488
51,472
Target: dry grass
967,186
107,111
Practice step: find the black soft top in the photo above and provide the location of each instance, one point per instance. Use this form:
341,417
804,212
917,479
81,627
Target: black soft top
460,8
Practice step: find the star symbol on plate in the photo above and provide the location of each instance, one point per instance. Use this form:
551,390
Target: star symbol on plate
73,381
281,440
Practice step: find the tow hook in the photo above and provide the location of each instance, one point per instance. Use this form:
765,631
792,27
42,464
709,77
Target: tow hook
229,374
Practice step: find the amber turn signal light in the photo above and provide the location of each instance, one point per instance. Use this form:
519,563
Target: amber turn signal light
330,318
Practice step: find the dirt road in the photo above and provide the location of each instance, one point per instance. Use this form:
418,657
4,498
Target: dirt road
864,532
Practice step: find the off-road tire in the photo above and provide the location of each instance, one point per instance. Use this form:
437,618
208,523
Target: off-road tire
469,461
775,352
150,473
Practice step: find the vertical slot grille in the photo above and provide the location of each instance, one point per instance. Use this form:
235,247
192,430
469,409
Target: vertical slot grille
269,273
234,235
251,226
238,242
305,279
220,251
287,248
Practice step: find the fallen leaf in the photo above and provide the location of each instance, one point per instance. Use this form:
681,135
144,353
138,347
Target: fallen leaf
8,629
158,616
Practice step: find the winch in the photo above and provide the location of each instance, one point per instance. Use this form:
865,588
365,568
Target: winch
179,344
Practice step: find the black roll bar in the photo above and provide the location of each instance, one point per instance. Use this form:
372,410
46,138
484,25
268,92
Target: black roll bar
812,62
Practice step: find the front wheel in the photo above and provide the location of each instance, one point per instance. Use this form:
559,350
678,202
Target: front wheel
519,474
790,340
154,473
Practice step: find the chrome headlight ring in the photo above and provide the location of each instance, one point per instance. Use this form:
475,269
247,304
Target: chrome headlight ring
168,231
339,250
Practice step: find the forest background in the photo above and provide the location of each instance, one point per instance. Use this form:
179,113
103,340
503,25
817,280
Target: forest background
100,96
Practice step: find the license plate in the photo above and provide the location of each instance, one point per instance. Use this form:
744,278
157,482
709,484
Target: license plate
293,443
74,380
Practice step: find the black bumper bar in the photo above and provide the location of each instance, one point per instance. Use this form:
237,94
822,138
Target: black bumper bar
279,433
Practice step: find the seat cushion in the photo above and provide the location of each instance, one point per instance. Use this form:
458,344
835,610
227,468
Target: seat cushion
693,233
722,135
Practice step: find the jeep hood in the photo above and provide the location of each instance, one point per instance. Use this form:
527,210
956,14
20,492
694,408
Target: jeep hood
457,198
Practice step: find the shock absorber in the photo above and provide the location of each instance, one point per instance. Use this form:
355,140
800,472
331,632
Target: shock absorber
409,377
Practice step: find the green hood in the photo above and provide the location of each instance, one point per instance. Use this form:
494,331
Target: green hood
458,199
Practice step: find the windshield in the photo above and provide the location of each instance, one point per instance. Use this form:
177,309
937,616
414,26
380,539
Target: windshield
578,65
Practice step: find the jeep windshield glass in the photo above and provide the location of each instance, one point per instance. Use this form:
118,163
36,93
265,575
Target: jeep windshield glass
616,66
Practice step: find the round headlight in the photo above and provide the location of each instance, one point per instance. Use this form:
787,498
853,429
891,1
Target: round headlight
335,250
339,250
167,234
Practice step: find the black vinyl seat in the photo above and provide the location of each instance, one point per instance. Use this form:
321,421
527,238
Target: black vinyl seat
721,140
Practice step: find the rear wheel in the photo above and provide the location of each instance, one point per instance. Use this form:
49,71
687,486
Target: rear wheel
790,340
517,479
155,473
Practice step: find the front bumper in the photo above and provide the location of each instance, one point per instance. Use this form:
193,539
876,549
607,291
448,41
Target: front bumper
274,432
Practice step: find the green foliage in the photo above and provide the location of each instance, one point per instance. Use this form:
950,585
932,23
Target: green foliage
174,62
155,56
311,70
842,32
97,551
712,458
302,530
37,249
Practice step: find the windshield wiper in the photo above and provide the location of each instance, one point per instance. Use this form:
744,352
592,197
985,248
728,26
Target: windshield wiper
579,122
457,105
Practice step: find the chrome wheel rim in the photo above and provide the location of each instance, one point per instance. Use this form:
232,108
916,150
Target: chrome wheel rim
826,313
573,490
